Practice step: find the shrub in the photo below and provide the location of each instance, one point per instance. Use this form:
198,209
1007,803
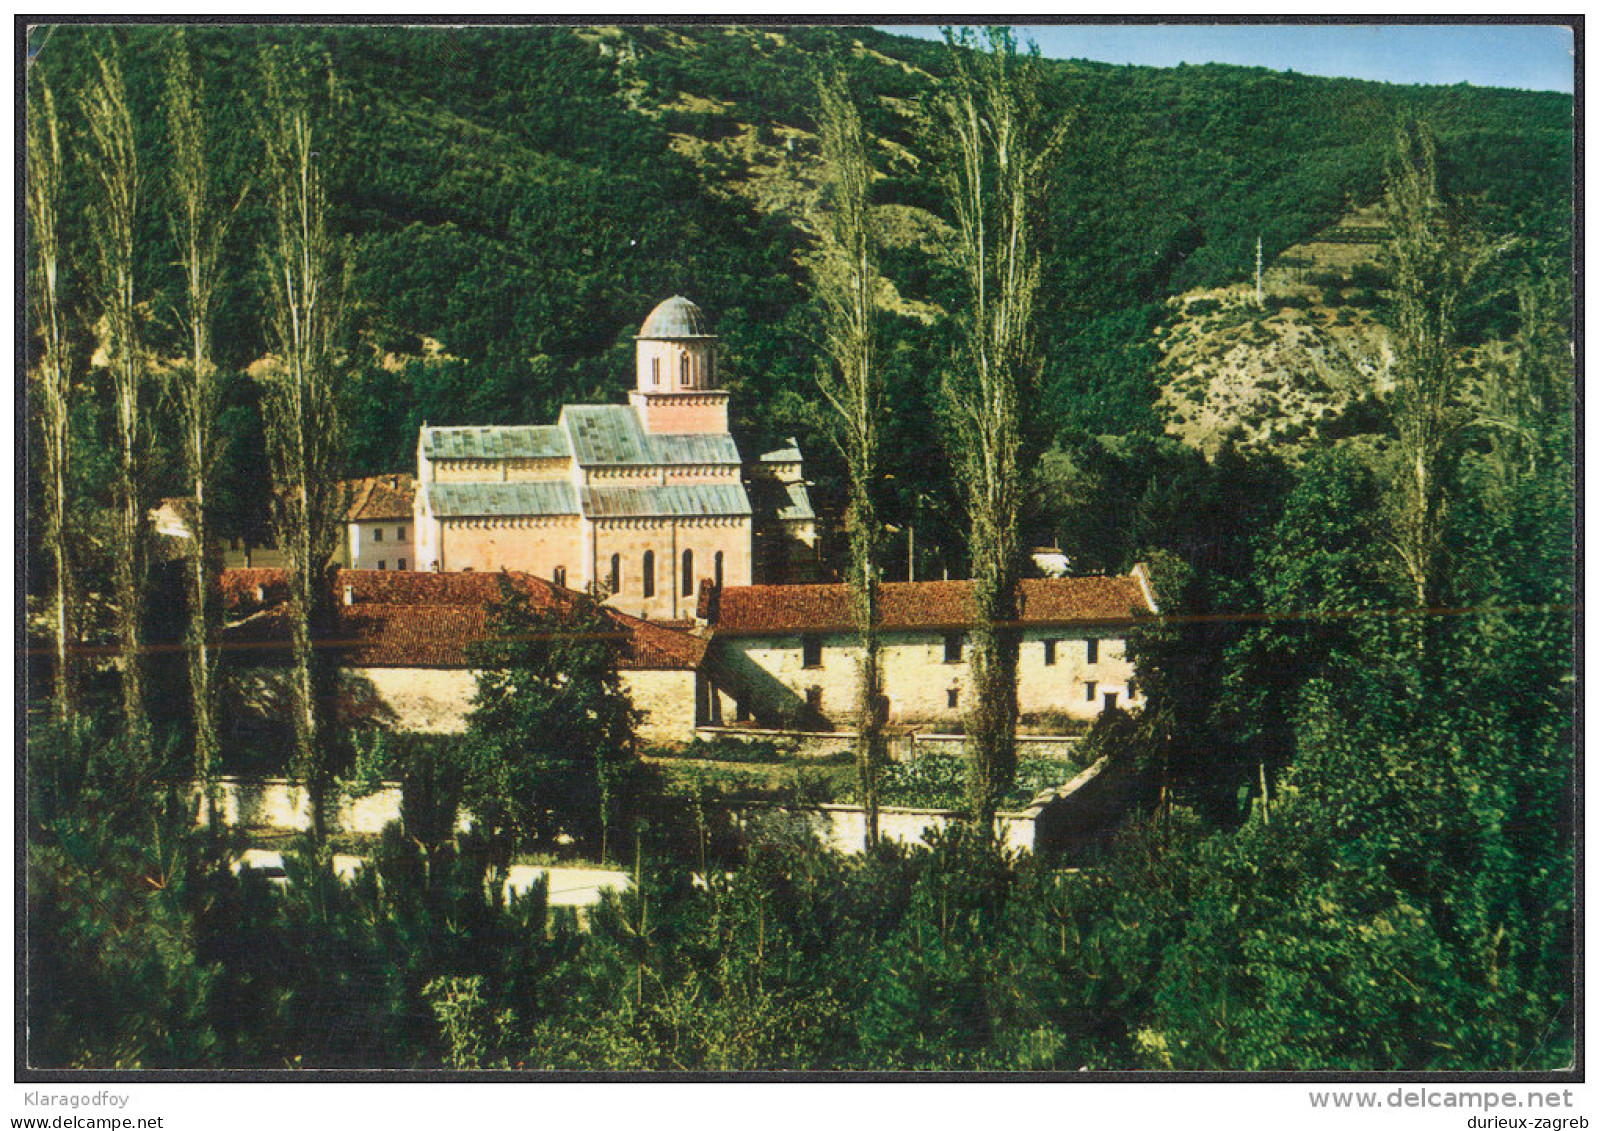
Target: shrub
1370,276
758,750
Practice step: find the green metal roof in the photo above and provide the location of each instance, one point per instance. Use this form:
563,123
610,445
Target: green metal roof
694,448
607,434
613,435
797,505
677,317
543,441
724,499
482,500
558,497
788,453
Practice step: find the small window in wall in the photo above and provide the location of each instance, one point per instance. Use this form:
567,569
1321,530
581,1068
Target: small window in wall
954,647
399,534
954,695
718,564
559,576
616,573
688,573
1049,653
655,371
1093,651
811,651
1110,700
684,379
382,564
649,573
377,534
1132,689
401,564
1092,689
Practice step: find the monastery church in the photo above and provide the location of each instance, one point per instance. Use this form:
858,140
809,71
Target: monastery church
641,502
706,562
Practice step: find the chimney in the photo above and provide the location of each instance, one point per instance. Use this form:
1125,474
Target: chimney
349,594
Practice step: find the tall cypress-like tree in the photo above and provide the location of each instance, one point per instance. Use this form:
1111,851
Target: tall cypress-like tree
198,228
113,215
308,276
844,280
1436,256
50,377
995,159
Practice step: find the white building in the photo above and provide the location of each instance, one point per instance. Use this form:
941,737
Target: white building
788,655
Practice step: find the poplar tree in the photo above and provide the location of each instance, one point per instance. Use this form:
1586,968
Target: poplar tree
307,277
113,160
995,155
1435,257
844,279
198,228
50,378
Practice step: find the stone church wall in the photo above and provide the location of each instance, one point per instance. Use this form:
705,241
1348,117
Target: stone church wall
535,546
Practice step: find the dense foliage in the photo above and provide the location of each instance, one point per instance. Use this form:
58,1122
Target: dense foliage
549,750
1363,852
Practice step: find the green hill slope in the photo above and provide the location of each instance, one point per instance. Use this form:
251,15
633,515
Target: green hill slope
522,197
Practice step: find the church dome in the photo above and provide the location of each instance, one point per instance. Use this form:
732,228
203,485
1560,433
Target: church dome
677,317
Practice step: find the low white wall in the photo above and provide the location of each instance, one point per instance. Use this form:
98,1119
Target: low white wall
901,747
843,827
277,803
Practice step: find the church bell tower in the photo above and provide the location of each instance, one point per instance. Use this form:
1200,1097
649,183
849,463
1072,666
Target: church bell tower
676,391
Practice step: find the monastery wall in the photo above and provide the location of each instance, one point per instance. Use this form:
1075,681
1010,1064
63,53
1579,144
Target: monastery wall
917,679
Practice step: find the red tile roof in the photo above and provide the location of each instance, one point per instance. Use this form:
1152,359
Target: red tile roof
427,620
380,497
749,610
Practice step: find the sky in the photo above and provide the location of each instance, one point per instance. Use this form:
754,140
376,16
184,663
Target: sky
1527,57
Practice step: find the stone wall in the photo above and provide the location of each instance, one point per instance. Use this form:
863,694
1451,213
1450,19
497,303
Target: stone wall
921,686
667,539
437,700
280,805
667,700
533,545
902,746
842,828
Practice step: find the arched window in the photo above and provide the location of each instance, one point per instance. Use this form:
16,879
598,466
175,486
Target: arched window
616,573
685,369
688,573
718,564
559,576
649,573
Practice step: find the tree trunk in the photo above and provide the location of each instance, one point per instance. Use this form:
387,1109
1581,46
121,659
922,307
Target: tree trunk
114,217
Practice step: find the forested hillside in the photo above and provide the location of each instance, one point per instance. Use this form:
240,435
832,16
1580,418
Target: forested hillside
1350,845
520,198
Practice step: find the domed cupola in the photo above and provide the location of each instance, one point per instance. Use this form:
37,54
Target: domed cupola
675,319
677,389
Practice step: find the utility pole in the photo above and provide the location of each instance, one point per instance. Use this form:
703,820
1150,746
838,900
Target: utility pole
1260,297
